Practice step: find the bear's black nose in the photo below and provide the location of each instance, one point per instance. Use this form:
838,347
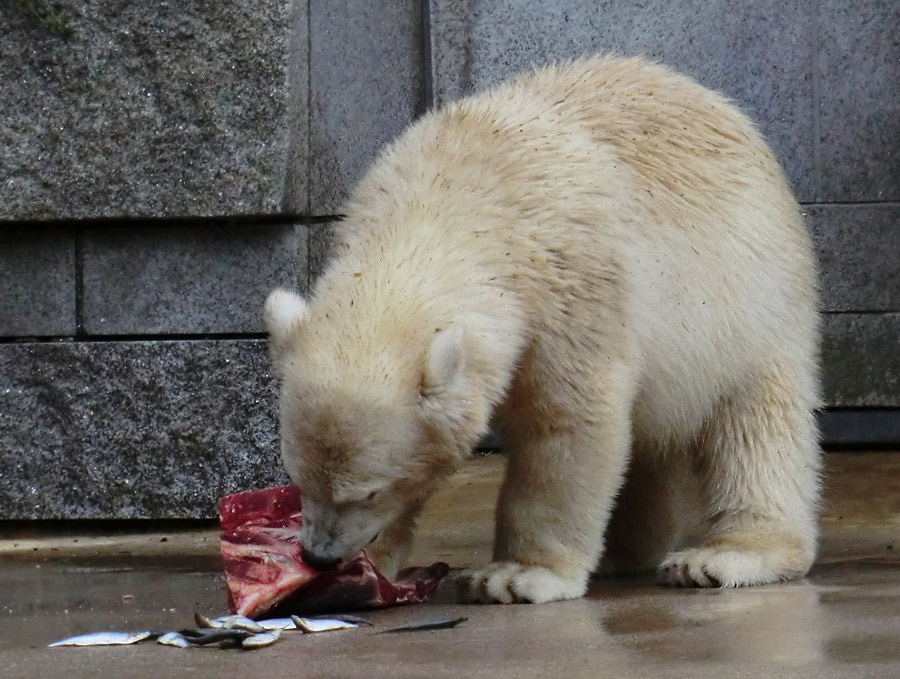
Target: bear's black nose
316,561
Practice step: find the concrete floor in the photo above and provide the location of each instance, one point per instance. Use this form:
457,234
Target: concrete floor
843,620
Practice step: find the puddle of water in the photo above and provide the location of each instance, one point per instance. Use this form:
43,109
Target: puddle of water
46,601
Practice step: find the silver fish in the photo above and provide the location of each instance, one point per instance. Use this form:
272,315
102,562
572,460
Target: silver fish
229,622
173,639
308,625
262,639
277,624
104,639
203,622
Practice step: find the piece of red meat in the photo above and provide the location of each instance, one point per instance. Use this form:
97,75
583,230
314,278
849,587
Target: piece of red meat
265,575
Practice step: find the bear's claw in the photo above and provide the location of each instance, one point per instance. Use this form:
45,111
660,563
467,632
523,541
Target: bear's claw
723,567
508,582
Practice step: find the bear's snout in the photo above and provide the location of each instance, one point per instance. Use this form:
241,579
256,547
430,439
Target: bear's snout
316,561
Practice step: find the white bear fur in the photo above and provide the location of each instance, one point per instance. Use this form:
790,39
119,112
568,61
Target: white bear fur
606,259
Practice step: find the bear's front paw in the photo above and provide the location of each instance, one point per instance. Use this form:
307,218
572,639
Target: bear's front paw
507,582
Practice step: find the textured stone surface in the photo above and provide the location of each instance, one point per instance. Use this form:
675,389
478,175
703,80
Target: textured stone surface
859,249
320,242
861,360
177,279
37,276
162,429
133,429
759,53
151,109
296,189
859,100
365,87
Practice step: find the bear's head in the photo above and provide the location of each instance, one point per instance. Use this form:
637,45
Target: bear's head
369,426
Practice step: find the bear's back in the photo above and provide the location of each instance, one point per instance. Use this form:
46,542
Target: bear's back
604,188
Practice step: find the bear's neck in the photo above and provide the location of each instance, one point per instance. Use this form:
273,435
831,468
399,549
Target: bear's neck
391,291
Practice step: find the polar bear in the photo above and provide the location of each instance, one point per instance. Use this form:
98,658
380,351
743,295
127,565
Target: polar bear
606,259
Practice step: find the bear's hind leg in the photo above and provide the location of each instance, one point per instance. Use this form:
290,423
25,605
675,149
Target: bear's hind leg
758,461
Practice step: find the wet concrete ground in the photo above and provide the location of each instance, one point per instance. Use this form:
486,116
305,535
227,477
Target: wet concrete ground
843,620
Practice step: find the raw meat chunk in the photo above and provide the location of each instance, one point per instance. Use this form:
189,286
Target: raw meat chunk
265,574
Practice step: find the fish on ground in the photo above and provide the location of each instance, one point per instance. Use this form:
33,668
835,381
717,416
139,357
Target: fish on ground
426,626
105,639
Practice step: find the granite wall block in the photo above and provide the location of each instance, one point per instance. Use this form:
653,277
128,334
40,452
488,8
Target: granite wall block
859,100
151,108
859,249
134,429
321,239
861,360
187,279
759,53
296,188
366,86
37,277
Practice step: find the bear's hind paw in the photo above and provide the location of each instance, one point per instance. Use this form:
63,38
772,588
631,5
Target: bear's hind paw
728,567
507,582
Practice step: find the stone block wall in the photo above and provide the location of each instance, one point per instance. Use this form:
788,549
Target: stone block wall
163,165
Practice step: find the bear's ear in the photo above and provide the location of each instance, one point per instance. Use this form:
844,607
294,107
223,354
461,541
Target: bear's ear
282,315
445,361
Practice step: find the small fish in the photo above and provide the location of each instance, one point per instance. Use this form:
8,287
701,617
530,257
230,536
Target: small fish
204,622
229,622
173,639
344,617
307,625
242,622
104,639
214,635
425,626
277,624
260,640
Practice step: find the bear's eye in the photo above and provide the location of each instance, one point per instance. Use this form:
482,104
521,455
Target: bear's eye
357,498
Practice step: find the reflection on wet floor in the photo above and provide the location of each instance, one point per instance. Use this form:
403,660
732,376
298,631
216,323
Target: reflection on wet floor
61,598
844,612
843,620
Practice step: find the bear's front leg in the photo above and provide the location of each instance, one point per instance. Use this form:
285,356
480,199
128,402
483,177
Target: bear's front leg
560,485
389,550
